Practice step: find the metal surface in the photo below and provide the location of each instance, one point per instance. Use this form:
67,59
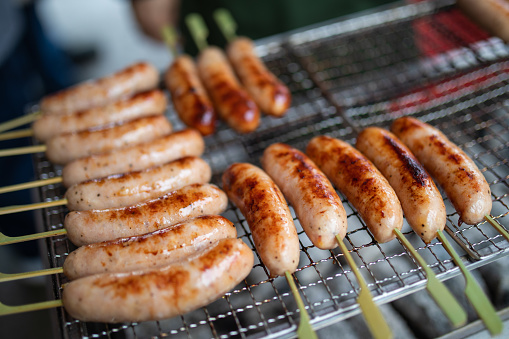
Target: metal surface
422,59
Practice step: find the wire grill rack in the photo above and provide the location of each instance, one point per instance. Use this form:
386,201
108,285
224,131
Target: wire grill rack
423,59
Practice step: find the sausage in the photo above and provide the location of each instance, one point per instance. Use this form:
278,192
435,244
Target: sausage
267,213
308,190
159,151
232,102
87,227
151,250
134,187
141,105
420,199
136,78
491,15
458,175
270,94
362,184
163,292
189,97
68,147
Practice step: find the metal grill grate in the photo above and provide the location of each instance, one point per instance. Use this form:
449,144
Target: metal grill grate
423,59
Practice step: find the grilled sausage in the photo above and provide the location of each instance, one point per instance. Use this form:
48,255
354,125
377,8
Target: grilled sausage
134,187
270,94
159,151
155,249
362,184
163,292
232,102
308,190
267,213
68,147
136,78
189,97
422,203
87,227
458,175
141,105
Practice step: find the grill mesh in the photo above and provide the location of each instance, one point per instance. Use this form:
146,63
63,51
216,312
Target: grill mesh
421,59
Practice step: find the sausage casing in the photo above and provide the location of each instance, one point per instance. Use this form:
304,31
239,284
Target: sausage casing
136,78
270,94
141,105
308,190
422,203
362,184
134,187
163,292
267,213
458,175
189,97
87,227
232,102
155,249
65,148
176,145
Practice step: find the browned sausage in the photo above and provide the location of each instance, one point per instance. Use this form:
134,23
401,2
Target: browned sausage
189,97
421,201
232,102
363,185
267,214
458,175
270,94
136,78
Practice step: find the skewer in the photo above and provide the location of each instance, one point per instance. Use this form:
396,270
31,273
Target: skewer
374,318
6,309
198,30
497,226
23,150
31,184
304,330
474,293
21,133
226,24
6,240
442,296
23,120
31,207
16,276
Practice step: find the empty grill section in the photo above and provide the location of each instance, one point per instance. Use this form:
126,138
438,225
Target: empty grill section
368,70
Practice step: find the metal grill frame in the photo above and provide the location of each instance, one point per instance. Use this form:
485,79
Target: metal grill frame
325,102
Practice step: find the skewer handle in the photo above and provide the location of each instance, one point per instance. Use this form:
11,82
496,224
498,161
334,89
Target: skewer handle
374,318
474,293
198,30
25,119
31,207
170,37
6,240
305,330
31,184
442,296
226,23
6,309
497,226
21,133
23,150
25,275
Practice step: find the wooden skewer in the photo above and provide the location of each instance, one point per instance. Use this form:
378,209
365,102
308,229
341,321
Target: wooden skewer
442,296
21,133
23,120
198,30
474,293
31,184
23,150
16,276
374,318
6,309
304,330
497,226
6,240
31,207
226,24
